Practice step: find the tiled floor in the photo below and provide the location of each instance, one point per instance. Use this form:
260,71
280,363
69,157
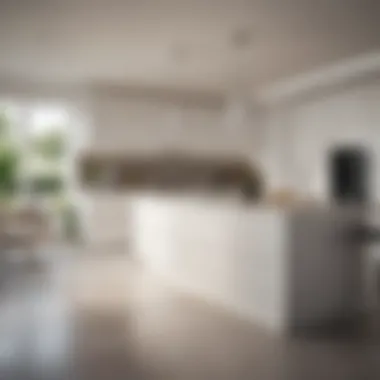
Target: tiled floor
103,318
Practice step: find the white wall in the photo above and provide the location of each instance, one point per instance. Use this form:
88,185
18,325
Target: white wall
136,125
307,117
301,131
290,143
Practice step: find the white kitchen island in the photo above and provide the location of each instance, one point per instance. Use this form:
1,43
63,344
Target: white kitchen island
280,267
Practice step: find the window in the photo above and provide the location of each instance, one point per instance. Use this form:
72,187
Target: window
37,156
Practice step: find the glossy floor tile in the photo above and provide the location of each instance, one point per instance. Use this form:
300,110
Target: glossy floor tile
103,317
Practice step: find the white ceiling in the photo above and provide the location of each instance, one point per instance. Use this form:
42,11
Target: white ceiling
183,44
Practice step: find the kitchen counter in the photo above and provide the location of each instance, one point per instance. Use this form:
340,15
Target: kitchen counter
280,267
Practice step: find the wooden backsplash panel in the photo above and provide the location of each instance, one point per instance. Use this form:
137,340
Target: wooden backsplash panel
170,172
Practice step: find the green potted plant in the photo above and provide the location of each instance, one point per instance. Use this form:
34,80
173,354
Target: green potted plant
9,161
